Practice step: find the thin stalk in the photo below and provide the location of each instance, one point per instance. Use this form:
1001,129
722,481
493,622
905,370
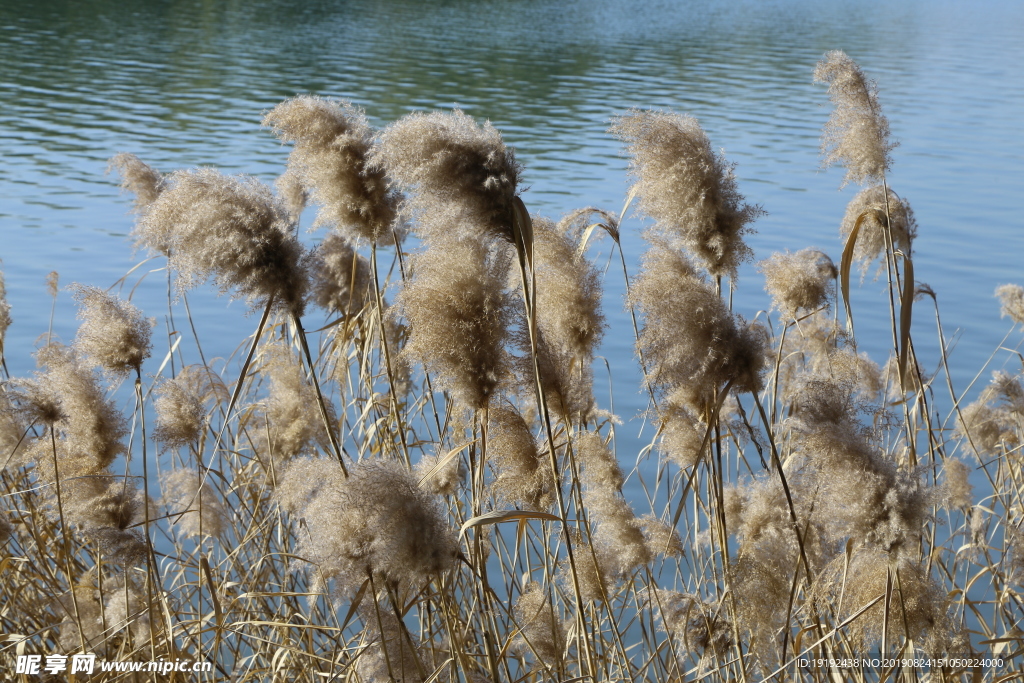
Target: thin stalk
339,450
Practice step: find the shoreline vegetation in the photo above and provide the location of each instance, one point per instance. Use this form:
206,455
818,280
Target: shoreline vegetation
409,477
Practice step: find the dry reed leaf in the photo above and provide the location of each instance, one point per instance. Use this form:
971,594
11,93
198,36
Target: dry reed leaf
443,461
905,317
498,516
844,268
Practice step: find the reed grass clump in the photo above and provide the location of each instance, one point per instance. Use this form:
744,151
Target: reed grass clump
434,491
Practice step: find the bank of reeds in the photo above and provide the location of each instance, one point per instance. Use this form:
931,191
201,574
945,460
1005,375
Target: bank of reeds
428,488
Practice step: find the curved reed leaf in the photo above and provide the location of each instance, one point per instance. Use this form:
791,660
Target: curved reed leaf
498,516
906,304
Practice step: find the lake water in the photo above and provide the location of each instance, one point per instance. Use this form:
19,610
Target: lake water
184,83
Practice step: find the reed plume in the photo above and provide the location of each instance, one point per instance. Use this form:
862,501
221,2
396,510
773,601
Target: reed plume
917,606
523,476
139,178
693,344
857,133
869,208
291,428
377,522
1011,298
542,633
292,193
687,188
184,487
956,490
342,279
108,510
333,144
231,229
68,397
181,417
458,314
569,322
464,176
5,313
866,494
695,624
113,334
803,280
387,653
446,479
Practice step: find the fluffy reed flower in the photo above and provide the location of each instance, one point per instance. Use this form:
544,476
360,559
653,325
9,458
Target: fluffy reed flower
5,312
762,596
599,468
696,625
523,474
181,417
1010,296
388,654
692,343
857,371
84,623
956,490
231,228
292,193
569,322
661,538
566,380
342,277
865,494
458,313
377,521
445,481
568,291
107,510
333,142
688,189
595,571
769,557
113,334
204,514
917,609
801,280
126,609
618,531
139,178
681,435
464,176
857,134
289,426
870,203
991,421
68,397
542,633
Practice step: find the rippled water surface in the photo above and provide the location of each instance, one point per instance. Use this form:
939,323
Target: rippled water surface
184,83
